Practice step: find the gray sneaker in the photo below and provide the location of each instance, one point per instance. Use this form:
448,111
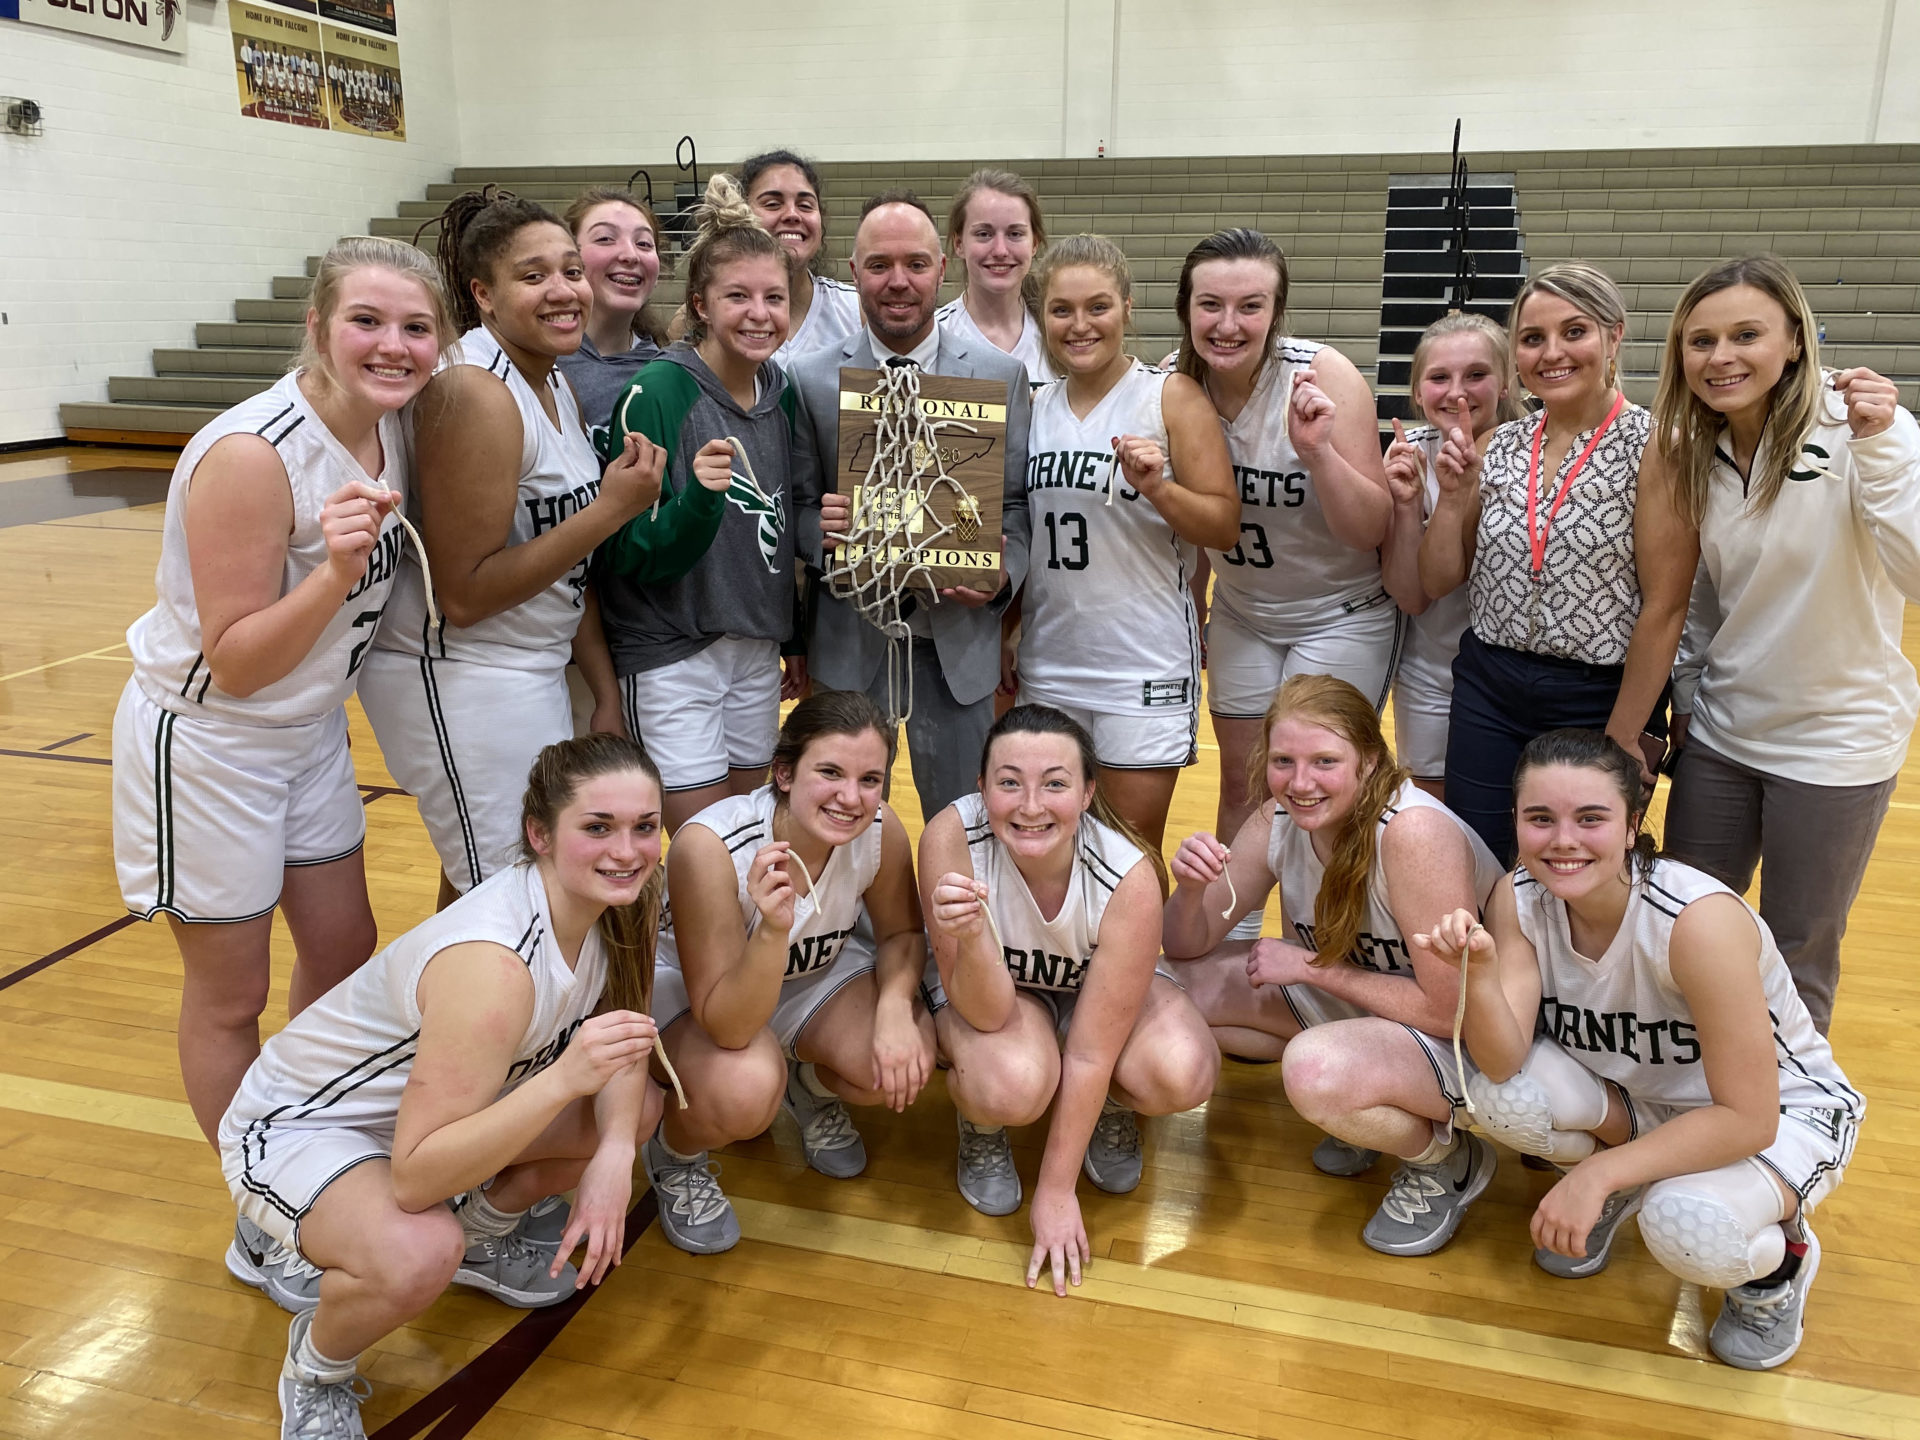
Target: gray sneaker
1620,1204
1336,1157
515,1273
312,1409
695,1214
1425,1202
1113,1151
984,1170
1760,1329
255,1258
545,1225
833,1146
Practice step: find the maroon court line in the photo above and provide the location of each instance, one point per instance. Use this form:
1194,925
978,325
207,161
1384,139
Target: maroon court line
462,1400
62,744
69,759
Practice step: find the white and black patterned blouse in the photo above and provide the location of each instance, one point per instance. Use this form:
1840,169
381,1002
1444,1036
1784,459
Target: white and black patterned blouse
1585,600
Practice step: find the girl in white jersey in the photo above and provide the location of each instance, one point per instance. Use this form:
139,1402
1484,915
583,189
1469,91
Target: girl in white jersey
1297,591
1675,1070
1044,912
511,502
784,191
233,792
1795,699
1462,380
790,964
1364,859
1126,472
994,229
499,1049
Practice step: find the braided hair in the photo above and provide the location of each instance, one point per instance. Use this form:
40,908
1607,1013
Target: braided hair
475,230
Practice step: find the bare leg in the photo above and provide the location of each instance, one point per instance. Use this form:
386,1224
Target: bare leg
448,894
1142,798
1367,1082
227,973
745,782
332,924
681,806
1436,788
838,1042
1238,737
1256,1023
1005,1076
1170,1062
731,1094
558,1156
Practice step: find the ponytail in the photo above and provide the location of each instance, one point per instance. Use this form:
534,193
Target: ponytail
475,230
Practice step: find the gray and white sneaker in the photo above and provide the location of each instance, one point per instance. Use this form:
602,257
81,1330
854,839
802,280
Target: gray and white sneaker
695,1214
1333,1156
833,1146
984,1170
1760,1329
1113,1151
313,1409
1620,1204
255,1258
545,1225
1425,1202
514,1272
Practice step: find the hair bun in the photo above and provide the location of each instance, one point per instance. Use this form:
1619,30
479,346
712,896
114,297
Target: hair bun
724,207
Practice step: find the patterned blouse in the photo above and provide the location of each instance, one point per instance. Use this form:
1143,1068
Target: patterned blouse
1585,600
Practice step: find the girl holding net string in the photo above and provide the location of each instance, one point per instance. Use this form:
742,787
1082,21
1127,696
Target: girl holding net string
1364,859
699,596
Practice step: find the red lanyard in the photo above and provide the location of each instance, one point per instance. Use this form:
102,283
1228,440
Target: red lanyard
1537,537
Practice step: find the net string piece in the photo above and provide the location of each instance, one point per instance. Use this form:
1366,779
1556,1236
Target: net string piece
419,549
1460,1020
1233,896
892,525
1826,379
667,1065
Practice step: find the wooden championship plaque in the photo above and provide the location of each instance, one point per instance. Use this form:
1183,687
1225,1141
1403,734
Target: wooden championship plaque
928,517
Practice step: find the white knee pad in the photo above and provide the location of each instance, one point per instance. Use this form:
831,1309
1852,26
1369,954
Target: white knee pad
1719,1228
1547,1108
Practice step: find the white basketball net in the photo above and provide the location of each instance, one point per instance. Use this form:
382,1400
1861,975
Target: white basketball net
893,524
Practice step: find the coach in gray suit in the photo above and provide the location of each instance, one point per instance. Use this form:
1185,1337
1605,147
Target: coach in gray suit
898,266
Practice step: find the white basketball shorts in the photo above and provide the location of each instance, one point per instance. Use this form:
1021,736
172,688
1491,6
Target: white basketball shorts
1245,667
800,998
1143,740
710,713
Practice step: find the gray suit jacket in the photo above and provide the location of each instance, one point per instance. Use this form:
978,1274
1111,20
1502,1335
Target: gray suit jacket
845,652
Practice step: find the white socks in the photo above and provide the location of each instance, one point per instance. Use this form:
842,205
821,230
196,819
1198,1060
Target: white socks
481,1221
308,1364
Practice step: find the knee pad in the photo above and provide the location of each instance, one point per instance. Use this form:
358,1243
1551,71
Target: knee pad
1546,1109
1717,1229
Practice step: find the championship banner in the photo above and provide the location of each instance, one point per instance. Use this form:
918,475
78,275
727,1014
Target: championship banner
363,83
156,24
278,65
927,516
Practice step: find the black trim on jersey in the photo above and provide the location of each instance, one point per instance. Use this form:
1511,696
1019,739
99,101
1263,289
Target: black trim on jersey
192,670
1300,352
756,824
533,933
1647,896
1402,628
298,421
327,859
1847,1097
1093,858
262,431
445,744
498,356
164,857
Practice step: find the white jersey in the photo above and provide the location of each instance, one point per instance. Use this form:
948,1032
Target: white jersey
559,475
1622,1016
824,920
1434,634
833,316
1287,571
1043,954
168,661
953,318
1108,621
344,1060
1381,947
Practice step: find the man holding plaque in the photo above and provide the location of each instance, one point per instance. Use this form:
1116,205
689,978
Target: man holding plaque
954,641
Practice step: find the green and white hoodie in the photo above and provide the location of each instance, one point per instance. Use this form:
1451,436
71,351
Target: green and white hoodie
709,564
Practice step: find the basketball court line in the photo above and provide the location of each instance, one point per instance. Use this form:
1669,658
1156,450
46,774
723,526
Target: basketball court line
1819,1405
103,653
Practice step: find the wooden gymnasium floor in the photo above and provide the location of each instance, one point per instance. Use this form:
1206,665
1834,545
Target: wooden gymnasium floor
1229,1295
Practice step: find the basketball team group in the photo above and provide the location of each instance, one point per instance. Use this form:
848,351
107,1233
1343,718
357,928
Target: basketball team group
573,557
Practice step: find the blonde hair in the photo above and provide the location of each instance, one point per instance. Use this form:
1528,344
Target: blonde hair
1587,288
1340,909
1096,252
359,252
1689,428
1499,346
728,230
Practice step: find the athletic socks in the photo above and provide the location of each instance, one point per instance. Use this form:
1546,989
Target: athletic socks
810,1077
480,1221
1436,1151
317,1369
1788,1267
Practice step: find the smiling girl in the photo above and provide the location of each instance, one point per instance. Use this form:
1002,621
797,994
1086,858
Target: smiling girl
1363,860
498,1050
619,240
233,790
1634,1024
699,597
1795,699
1044,920
994,229
784,190
1126,468
790,964
511,501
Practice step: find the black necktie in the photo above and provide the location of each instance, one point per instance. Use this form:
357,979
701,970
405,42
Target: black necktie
899,360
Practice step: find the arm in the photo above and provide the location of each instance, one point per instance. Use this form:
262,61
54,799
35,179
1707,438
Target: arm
239,517
455,1129
813,476
1690,663
972,969
1197,916
733,979
1334,427
1885,446
1503,981
468,440
1666,552
606,1186
662,543
1447,548
902,1059
1199,500
1110,1001
595,660
1406,474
